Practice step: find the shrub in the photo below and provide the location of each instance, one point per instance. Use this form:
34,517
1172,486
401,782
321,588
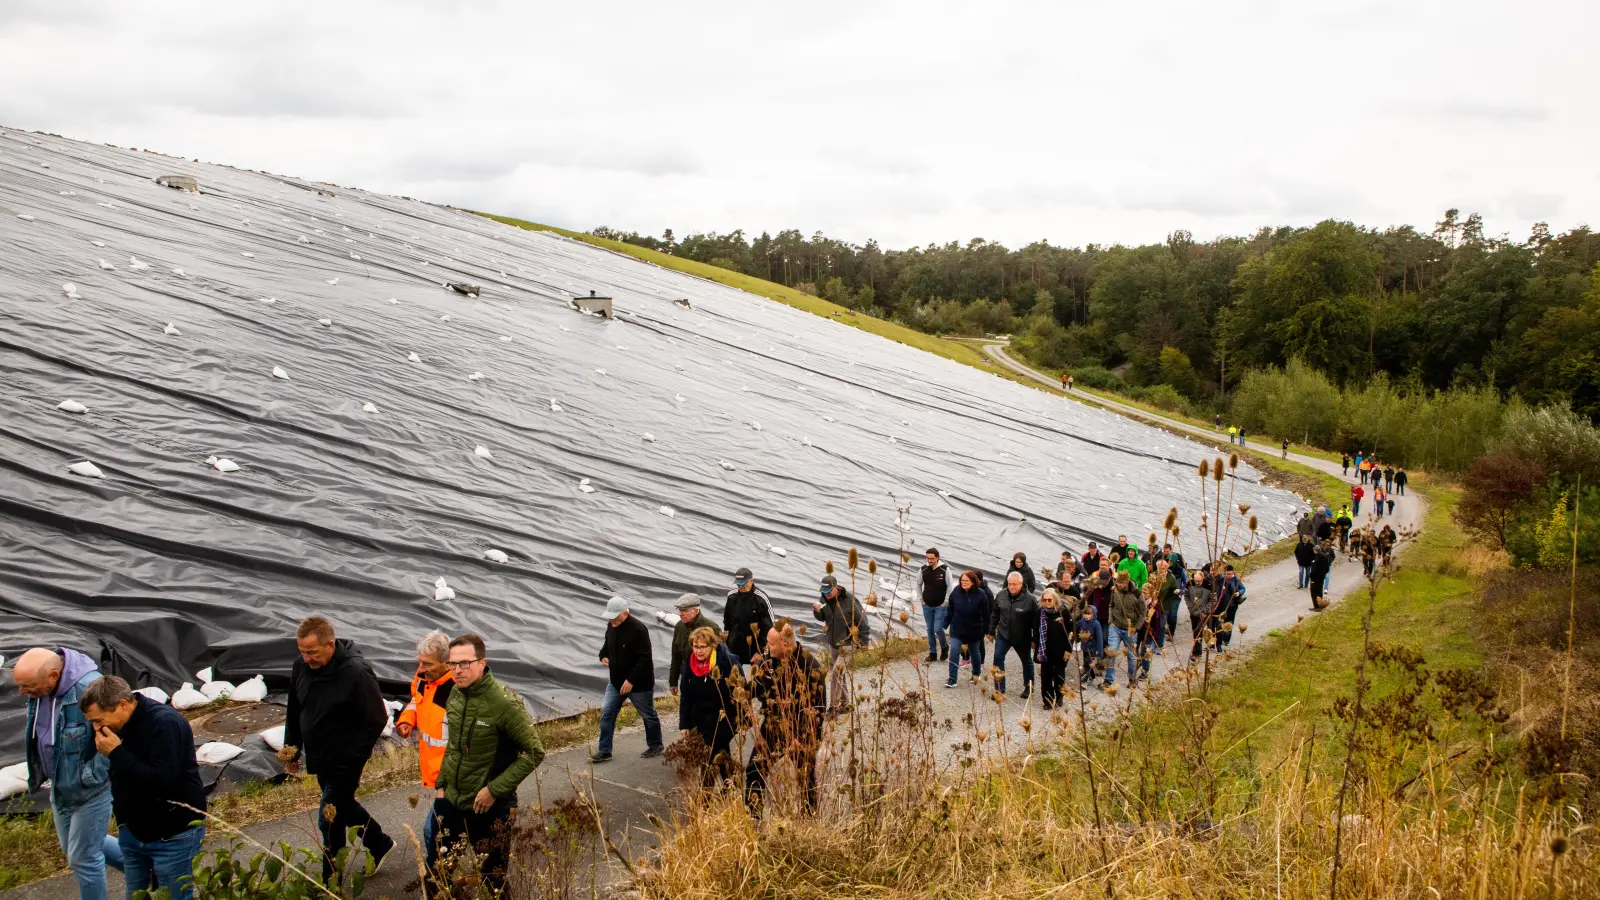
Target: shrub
1163,396
1097,377
1494,489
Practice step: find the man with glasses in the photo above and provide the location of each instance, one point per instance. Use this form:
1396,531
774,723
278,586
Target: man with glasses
336,714
491,748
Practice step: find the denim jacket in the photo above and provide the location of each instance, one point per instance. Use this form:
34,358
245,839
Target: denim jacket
81,773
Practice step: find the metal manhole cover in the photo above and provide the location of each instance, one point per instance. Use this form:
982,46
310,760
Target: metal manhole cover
241,720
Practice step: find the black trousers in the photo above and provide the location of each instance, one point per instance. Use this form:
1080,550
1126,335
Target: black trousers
755,776
339,791
1052,675
480,830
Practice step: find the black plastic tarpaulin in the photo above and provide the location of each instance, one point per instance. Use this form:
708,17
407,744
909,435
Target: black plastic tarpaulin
389,432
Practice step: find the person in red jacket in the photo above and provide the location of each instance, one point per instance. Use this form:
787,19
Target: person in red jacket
424,717
1356,493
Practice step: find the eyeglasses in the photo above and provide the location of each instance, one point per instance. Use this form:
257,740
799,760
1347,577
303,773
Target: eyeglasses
462,664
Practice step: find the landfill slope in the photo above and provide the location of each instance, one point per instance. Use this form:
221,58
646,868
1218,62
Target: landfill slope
780,439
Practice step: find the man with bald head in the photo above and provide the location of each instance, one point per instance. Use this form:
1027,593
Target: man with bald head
61,751
791,686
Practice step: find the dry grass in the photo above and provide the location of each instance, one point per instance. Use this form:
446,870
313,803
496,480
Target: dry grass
1219,787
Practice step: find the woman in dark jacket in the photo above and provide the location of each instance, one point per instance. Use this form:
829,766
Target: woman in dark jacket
706,700
1055,646
968,623
1019,563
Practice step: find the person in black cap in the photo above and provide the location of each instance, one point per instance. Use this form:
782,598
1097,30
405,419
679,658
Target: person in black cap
935,588
845,625
746,618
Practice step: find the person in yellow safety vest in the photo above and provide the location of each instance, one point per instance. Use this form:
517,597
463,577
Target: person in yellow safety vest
424,715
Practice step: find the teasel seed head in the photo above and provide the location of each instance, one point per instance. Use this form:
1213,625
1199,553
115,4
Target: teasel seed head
1253,523
1172,518
853,559
828,568
872,567
1233,461
1216,470
1205,468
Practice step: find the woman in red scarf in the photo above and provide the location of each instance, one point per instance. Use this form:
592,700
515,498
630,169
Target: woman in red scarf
707,703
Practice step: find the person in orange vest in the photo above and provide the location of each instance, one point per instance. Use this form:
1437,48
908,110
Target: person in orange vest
424,715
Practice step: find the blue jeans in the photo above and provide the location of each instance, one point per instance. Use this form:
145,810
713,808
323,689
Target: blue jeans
1001,648
1305,577
1119,637
1169,633
935,616
85,836
430,827
972,650
161,864
612,704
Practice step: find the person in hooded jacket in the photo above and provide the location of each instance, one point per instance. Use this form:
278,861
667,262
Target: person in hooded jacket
61,750
1097,593
1091,638
335,717
1342,526
1054,649
968,623
708,705
746,617
1127,618
1019,563
1015,625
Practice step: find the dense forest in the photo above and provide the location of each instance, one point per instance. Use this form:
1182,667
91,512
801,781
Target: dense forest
1184,322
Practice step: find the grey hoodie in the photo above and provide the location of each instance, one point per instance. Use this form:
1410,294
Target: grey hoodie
74,666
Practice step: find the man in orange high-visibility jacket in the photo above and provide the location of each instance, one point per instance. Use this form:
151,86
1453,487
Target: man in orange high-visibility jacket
430,694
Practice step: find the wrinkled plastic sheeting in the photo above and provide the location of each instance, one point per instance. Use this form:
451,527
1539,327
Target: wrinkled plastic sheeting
353,513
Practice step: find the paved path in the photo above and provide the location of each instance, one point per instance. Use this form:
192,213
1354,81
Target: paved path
631,790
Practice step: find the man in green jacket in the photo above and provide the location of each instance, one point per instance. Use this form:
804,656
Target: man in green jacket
1136,569
491,748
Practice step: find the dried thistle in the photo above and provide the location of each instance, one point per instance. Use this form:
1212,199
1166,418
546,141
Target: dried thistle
905,557
870,600
872,567
1205,468
829,567
1253,523
1171,520
1216,470
1176,528
1244,509
904,617
853,559
1233,461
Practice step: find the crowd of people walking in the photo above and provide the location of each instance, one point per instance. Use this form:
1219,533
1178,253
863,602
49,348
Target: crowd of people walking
107,750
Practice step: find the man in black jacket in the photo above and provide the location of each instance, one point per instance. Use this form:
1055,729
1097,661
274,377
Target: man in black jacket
1090,561
935,588
155,785
626,653
336,714
746,617
1321,564
1015,627
1400,479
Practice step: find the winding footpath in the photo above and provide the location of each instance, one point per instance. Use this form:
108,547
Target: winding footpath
632,790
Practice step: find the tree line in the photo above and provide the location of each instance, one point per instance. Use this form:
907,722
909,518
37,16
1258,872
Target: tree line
1184,322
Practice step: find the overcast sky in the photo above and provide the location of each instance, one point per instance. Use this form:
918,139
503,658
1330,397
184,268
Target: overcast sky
909,122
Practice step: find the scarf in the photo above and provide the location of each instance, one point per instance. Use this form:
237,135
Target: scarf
701,669
1044,632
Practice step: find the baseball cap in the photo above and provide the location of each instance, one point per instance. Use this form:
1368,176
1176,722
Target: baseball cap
614,607
828,583
741,576
688,601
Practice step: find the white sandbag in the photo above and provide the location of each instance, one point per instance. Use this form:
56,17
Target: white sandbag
253,690
12,787
204,675
154,693
215,753
186,697
215,689
443,591
19,771
274,737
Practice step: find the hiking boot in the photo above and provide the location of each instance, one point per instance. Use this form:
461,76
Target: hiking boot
379,854
932,657
944,653
598,757
651,752
1027,690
